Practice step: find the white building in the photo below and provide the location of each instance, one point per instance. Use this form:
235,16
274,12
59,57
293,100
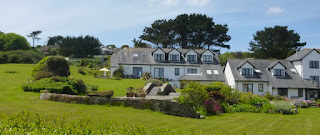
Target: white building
173,64
279,77
306,62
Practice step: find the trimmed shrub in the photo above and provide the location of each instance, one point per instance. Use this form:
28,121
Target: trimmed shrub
268,96
155,81
61,85
241,108
118,73
283,107
268,108
55,65
249,98
215,86
193,96
107,93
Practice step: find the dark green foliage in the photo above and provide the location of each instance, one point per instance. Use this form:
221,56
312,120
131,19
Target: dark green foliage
80,47
12,41
57,84
34,36
118,73
216,95
55,65
55,40
193,95
90,62
123,46
21,56
187,31
155,81
275,42
269,96
140,44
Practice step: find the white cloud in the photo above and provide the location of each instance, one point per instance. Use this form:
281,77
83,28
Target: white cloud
275,10
198,3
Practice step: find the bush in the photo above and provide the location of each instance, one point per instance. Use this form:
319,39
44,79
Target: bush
215,86
61,85
213,107
193,96
118,73
155,81
21,56
107,93
92,87
283,107
241,108
231,100
249,98
268,96
81,71
268,108
216,95
55,65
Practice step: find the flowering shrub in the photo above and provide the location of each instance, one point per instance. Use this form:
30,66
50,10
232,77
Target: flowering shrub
249,98
283,107
213,107
268,96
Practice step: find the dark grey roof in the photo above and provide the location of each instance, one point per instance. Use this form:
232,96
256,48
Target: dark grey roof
206,77
291,80
125,56
300,55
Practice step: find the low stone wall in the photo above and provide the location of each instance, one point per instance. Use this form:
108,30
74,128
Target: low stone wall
169,107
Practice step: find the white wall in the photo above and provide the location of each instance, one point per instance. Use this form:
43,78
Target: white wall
307,71
298,66
255,87
278,66
128,69
229,76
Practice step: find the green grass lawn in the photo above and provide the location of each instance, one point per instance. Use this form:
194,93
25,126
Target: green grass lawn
13,99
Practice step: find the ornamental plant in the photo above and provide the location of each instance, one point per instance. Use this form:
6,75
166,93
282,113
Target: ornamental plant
213,107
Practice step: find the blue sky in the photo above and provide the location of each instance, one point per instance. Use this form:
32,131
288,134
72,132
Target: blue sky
119,21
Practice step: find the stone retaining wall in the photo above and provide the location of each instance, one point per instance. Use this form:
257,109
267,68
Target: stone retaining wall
169,107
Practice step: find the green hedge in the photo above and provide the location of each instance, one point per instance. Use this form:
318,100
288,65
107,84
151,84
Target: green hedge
21,56
59,85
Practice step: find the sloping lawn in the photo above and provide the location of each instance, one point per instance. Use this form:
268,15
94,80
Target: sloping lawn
13,99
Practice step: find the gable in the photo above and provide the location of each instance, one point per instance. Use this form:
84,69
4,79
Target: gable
158,51
191,52
207,52
279,66
174,51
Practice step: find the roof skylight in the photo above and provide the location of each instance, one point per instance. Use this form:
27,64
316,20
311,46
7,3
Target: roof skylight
215,71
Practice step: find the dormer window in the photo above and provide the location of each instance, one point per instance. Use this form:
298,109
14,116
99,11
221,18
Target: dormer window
246,71
174,57
278,72
191,57
207,58
159,57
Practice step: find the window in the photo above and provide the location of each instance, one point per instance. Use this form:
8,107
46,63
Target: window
314,64
158,72
283,92
135,56
300,92
191,57
260,87
216,72
248,87
315,78
278,72
192,71
207,58
159,57
176,71
209,72
174,57
246,71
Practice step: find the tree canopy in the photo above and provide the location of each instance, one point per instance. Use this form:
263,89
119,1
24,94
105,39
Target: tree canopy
140,44
123,46
55,40
275,42
12,41
187,31
34,36
80,47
